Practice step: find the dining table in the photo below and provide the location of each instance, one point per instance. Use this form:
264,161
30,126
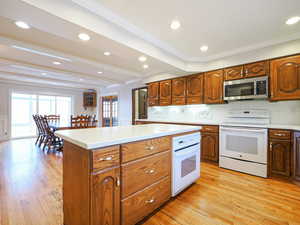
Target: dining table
66,124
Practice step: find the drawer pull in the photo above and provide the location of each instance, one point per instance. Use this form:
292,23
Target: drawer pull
150,201
149,147
150,171
271,145
109,158
118,182
280,135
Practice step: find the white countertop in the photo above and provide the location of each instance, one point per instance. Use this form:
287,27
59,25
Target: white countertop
92,138
271,126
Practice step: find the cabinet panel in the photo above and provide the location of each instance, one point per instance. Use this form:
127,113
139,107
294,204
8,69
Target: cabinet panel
257,69
153,90
213,87
105,198
285,78
165,95
178,101
296,172
210,146
141,173
194,100
179,87
279,157
106,157
234,73
153,102
194,86
139,205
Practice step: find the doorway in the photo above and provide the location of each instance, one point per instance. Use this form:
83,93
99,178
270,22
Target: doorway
139,104
109,111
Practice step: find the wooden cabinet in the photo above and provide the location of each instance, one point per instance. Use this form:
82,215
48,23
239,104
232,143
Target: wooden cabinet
153,94
234,73
296,157
257,69
285,78
165,94
213,87
279,154
105,198
210,143
178,91
194,89
247,71
89,99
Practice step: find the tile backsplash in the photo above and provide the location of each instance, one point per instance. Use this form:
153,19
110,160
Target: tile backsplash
284,112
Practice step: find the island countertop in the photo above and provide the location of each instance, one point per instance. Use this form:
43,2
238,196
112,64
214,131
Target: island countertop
93,138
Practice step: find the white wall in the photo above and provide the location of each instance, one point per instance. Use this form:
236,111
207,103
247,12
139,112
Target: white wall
6,88
284,112
124,94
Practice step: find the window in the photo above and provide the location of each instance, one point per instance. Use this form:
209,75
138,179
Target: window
23,106
110,111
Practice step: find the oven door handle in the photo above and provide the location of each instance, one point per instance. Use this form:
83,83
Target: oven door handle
241,130
184,152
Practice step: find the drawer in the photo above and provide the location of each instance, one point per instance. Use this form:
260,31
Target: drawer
194,100
141,204
139,149
178,101
213,129
165,101
153,101
139,174
106,157
280,134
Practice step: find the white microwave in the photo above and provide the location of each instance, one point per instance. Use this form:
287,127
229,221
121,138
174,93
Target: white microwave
252,88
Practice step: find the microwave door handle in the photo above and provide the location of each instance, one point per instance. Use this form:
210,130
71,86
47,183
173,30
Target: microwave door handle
241,130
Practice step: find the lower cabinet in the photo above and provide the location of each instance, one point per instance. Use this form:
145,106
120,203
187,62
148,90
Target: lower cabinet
105,198
296,158
280,153
210,143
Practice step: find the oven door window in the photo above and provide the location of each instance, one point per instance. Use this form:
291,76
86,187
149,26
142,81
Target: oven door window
244,89
188,165
242,144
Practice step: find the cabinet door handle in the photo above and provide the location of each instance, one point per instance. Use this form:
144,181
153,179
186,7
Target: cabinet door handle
242,72
150,171
118,182
246,71
280,135
109,158
271,146
150,201
149,147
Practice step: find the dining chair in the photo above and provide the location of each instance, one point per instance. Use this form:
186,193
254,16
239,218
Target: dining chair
50,140
52,118
82,121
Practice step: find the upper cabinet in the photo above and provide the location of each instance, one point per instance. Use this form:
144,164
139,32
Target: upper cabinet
153,94
213,87
285,78
247,71
165,95
178,91
194,89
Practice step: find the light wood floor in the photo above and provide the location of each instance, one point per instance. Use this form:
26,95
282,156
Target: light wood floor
30,194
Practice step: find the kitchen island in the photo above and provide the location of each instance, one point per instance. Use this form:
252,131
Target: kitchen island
117,175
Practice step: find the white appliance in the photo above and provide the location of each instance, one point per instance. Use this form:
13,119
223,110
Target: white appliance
186,161
244,142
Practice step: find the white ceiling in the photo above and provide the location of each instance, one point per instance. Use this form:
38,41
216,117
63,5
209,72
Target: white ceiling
129,29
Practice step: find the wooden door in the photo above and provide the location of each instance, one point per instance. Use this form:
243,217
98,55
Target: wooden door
210,146
213,87
257,69
178,91
109,111
165,95
279,157
105,197
234,73
153,90
285,78
296,158
194,89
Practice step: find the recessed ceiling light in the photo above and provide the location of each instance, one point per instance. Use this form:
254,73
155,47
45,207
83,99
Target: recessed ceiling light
22,24
56,63
145,66
293,20
81,79
44,74
175,25
107,53
100,72
84,37
204,48
142,58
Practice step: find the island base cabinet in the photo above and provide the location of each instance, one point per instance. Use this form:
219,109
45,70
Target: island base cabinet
142,203
105,198
296,172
